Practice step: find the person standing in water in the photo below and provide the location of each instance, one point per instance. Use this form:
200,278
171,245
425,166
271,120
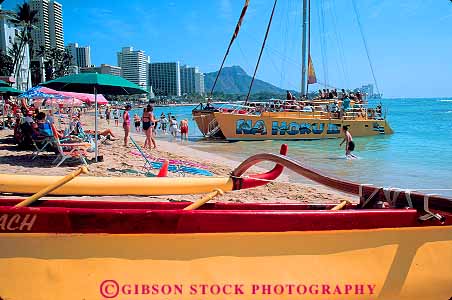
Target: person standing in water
349,144
184,129
126,124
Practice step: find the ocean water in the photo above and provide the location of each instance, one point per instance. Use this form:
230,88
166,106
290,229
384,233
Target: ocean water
417,156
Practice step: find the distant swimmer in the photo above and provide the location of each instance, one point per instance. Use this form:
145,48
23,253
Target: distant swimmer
349,144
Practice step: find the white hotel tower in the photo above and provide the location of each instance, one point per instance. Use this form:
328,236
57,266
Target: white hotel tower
49,29
134,66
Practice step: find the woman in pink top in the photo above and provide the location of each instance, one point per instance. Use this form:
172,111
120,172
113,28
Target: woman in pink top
126,124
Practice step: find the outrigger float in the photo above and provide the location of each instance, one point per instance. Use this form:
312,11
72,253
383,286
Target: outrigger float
393,244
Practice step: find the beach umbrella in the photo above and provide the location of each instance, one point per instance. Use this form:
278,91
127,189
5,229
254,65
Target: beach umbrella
87,98
35,93
4,84
9,91
93,83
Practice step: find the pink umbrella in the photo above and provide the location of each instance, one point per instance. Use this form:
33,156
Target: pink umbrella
87,98
67,102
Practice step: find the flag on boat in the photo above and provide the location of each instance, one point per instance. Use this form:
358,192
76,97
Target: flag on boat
239,23
311,72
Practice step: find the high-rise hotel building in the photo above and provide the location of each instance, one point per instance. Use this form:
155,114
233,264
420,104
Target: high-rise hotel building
165,79
134,66
81,56
49,28
191,80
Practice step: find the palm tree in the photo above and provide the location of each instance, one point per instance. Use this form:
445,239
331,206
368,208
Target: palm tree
25,18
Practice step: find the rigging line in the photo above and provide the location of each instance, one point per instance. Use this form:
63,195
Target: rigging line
247,62
285,36
322,42
339,42
234,36
325,42
275,66
365,45
262,50
279,53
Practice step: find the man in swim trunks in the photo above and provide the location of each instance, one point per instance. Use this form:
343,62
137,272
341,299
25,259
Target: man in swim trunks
350,145
184,129
137,121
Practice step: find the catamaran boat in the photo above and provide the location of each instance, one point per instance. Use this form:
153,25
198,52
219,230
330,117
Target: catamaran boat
291,119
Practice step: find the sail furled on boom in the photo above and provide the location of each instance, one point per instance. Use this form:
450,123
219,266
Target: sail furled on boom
311,72
234,36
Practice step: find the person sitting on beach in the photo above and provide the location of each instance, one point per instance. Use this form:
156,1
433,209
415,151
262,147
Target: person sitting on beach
173,126
76,129
41,128
184,129
137,122
9,123
49,117
350,145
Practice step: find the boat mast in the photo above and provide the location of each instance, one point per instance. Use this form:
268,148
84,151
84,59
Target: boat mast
304,50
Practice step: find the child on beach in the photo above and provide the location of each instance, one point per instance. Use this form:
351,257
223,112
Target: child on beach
116,117
350,145
137,121
184,129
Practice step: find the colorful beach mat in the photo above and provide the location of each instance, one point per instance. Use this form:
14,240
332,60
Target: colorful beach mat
176,165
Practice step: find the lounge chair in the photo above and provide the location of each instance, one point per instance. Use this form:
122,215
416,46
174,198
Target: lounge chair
41,143
152,163
69,150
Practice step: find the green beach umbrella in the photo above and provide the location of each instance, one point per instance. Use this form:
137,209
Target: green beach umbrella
93,83
102,83
9,91
3,83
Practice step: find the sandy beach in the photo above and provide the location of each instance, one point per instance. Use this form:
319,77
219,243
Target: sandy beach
118,161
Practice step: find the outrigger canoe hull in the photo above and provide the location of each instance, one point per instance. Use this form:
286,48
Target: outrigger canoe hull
118,250
392,263
64,249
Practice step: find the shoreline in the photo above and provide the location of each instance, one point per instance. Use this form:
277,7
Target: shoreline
119,162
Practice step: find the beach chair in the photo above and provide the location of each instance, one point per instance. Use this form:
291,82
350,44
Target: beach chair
69,150
148,163
40,144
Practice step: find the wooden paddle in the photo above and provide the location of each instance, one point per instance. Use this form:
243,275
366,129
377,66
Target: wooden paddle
204,199
52,187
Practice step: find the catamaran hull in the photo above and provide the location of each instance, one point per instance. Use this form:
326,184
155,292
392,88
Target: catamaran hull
293,126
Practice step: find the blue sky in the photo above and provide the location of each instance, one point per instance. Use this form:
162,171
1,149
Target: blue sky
409,41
